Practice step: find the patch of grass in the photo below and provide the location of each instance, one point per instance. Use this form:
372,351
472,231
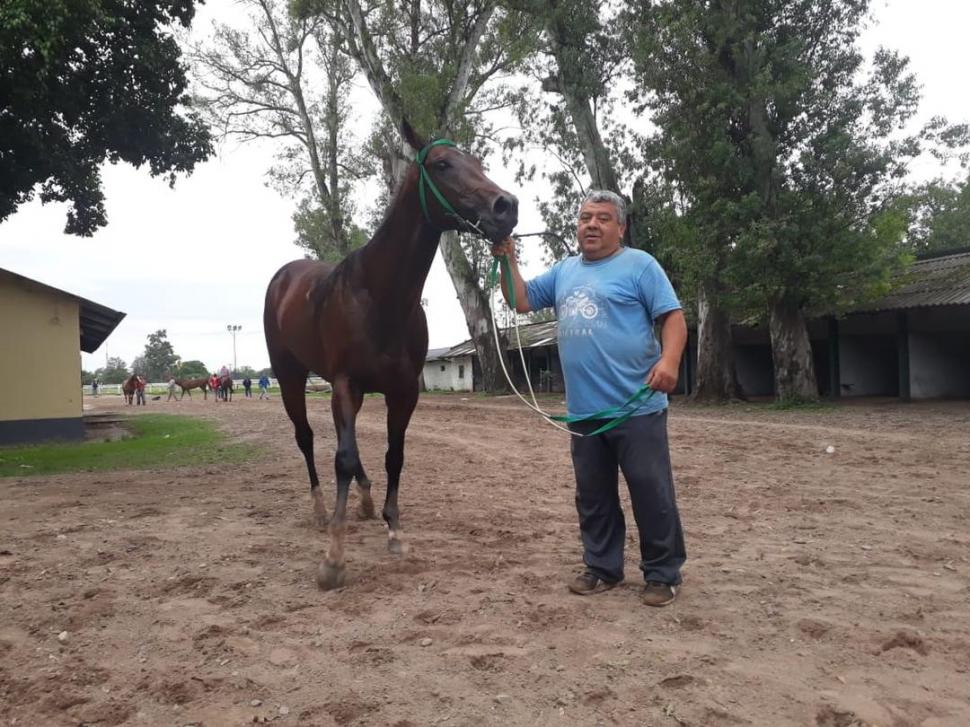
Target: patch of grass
157,441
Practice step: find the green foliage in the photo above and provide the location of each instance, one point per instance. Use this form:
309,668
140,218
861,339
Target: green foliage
86,377
159,360
115,371
246,371
158,441
941,217
193,369
314,229
87,81
778,161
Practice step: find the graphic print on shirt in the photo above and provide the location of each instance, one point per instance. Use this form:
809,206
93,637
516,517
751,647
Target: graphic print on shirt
580,312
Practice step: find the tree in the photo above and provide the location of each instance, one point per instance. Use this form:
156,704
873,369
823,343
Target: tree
788,155
159,357
245,371
429,63
192,369
286,78
86,377
941,217
89,81
115,371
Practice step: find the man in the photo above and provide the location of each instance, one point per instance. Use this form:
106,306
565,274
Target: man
139,391
607,301
264,387
248,387
172,386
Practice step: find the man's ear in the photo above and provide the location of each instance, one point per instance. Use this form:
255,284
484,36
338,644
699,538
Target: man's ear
411,136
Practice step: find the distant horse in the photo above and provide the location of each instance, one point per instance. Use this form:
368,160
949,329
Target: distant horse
128,389
225,387
189,384
360,324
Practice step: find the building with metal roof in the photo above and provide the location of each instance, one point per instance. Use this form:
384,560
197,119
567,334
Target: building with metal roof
43,330
913,343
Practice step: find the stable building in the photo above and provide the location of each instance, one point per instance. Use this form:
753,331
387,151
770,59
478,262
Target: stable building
447,371
43,330
914,343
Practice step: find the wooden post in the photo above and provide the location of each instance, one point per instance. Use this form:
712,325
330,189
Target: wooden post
902,348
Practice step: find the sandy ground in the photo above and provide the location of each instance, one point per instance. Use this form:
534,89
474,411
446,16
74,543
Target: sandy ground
822,589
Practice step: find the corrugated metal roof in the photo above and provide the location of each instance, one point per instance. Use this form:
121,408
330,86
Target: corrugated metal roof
943,280
532,335
96,321
436,354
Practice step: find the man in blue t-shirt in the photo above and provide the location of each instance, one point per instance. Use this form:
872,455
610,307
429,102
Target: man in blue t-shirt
608,300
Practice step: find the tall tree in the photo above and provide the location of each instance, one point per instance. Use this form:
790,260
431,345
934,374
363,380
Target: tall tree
941,217
790,154
159,358
286,78
429,61
88,81
115,371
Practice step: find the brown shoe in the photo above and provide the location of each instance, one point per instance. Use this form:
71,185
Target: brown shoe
586,584
656,593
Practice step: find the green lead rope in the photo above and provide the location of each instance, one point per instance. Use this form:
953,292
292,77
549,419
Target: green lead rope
615,414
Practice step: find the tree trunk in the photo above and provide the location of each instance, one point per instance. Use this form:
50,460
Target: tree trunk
478,317
716,375
791,352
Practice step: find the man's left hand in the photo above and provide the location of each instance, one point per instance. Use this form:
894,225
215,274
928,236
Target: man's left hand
663,376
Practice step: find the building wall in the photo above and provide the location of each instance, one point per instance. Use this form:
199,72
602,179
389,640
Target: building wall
450,379
40,334
939,366
868,365
755,370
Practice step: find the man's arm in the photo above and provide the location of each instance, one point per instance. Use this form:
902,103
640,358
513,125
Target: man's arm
673,338
507,247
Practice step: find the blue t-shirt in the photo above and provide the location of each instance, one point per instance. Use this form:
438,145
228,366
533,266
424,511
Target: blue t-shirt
606,310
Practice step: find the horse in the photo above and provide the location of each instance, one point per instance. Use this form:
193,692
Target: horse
128,389
189,384
360,325
225,387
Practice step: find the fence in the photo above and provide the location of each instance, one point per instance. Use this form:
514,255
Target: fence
162,387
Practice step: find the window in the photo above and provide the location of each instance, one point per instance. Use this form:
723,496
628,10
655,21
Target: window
461,371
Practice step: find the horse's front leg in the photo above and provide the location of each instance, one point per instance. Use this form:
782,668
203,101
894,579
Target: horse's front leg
344,403
400,406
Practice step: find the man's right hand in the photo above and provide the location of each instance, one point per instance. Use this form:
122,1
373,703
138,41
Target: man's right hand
505,247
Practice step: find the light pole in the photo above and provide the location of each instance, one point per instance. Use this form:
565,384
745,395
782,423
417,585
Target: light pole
232,328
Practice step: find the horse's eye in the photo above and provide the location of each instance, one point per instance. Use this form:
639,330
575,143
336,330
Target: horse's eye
441,165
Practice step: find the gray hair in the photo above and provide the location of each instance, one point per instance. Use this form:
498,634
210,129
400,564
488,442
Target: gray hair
604,195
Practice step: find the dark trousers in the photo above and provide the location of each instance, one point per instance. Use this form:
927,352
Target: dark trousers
638,447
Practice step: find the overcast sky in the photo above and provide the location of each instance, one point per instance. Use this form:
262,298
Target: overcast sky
198,257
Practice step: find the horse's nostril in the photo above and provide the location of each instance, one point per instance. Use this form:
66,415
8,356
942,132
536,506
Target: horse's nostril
505,206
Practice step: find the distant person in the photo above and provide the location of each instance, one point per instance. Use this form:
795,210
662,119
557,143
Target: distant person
94,387
248,387
214,385
264,387
139,390
172,386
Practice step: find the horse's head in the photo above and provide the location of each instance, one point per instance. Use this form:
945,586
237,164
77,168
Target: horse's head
475,201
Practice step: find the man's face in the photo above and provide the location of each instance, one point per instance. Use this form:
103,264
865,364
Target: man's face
599,230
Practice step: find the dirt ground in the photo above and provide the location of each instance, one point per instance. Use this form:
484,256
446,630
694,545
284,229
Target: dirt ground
821,589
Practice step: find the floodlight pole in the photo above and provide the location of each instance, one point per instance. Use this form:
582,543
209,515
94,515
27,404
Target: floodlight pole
232,328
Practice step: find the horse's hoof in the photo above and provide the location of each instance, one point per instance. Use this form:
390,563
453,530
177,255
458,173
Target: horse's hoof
396,547
330,576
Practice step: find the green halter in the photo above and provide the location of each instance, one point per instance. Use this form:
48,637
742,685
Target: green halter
425,183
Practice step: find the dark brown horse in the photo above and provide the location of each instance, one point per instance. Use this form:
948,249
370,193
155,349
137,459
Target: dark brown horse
360,326
189,384
128,388
225,387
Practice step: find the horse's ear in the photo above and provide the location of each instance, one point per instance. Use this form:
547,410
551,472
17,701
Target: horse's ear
411,136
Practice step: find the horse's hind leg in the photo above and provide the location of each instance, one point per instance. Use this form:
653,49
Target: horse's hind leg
345,403
400,406
365,509
292,380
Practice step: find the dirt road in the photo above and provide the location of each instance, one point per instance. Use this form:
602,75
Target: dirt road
821,589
